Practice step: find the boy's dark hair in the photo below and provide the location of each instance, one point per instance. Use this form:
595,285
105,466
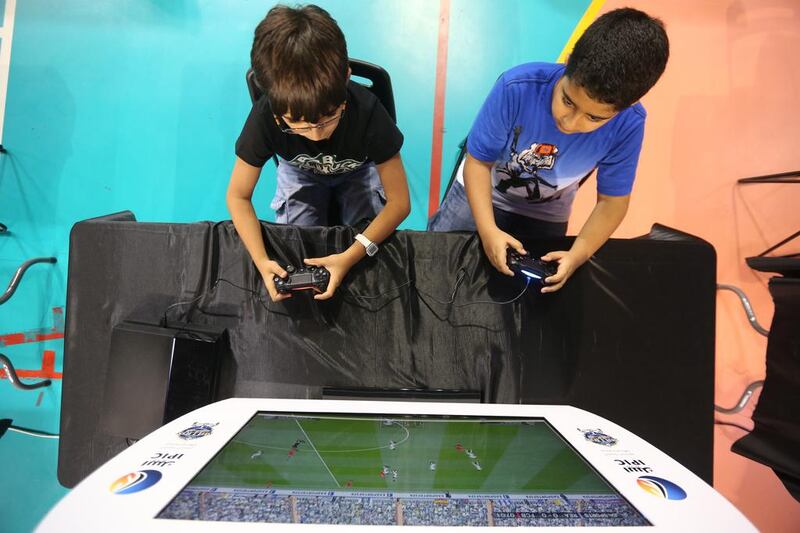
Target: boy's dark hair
619,57
299,56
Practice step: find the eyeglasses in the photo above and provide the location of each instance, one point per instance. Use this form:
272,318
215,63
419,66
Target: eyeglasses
306,129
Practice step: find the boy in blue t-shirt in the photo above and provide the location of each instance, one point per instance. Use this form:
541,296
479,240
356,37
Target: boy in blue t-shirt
543,128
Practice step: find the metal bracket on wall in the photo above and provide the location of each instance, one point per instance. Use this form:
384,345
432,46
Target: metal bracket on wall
14,379
12,286
743,399
751,316
783,177
748,309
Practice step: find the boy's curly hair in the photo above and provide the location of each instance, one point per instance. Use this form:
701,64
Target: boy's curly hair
299,56
619,57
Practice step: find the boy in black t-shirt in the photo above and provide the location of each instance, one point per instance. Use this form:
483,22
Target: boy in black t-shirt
335,140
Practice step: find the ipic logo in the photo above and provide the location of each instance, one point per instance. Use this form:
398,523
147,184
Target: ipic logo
135,482
661,488
634,465
162,459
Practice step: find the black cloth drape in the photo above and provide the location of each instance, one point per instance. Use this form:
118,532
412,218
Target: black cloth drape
775,439
630,337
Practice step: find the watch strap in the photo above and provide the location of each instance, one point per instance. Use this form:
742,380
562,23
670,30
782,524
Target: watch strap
370,246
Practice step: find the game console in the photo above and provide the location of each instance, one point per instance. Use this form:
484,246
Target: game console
304,278
530,267
156,374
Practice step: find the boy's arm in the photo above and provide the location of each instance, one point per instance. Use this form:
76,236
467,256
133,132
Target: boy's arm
478,185
239,200
395,186
604,219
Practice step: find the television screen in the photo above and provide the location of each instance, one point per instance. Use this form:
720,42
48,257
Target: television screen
443,470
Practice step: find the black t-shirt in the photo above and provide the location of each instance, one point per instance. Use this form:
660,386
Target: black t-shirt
365,132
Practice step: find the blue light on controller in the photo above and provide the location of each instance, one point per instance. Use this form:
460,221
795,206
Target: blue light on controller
530,274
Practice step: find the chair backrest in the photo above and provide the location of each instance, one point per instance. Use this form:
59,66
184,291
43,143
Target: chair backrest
380,84
252,86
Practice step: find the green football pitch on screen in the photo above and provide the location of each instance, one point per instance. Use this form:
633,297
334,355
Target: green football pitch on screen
400,454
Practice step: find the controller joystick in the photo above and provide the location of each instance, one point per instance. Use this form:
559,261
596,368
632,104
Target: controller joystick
530,267
305,278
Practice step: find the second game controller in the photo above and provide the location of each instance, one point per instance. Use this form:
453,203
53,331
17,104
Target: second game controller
304,278
530,267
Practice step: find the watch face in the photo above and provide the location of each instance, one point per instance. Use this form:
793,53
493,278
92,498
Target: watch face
372,249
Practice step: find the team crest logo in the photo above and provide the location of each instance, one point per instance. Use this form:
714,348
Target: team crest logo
135,482
598,437
197,430
661,488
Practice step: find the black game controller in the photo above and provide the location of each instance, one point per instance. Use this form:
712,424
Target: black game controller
530,267
304,278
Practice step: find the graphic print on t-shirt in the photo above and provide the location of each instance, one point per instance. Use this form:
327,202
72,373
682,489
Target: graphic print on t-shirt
522,169
325,164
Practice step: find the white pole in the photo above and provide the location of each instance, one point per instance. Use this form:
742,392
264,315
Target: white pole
6,37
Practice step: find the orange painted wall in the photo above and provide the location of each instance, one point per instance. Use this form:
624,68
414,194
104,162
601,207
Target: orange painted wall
727,107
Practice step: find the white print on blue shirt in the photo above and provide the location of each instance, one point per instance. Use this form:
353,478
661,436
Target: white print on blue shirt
521,170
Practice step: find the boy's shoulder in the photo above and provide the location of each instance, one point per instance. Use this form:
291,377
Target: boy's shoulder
539,75
360,96
533,73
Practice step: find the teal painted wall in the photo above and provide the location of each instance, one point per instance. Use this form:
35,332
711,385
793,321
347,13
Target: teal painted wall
136,104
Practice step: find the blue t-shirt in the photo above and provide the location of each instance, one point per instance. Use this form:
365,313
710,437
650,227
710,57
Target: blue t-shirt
537,168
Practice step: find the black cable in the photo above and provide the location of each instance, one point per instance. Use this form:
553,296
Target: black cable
490,302
210,290
410,281
459,279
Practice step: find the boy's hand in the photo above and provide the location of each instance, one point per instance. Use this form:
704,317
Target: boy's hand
568,263
269,269
338,265
496,244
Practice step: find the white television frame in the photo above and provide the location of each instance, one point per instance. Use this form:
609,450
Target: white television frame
177,451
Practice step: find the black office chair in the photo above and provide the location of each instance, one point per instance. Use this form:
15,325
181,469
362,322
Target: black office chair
380,84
